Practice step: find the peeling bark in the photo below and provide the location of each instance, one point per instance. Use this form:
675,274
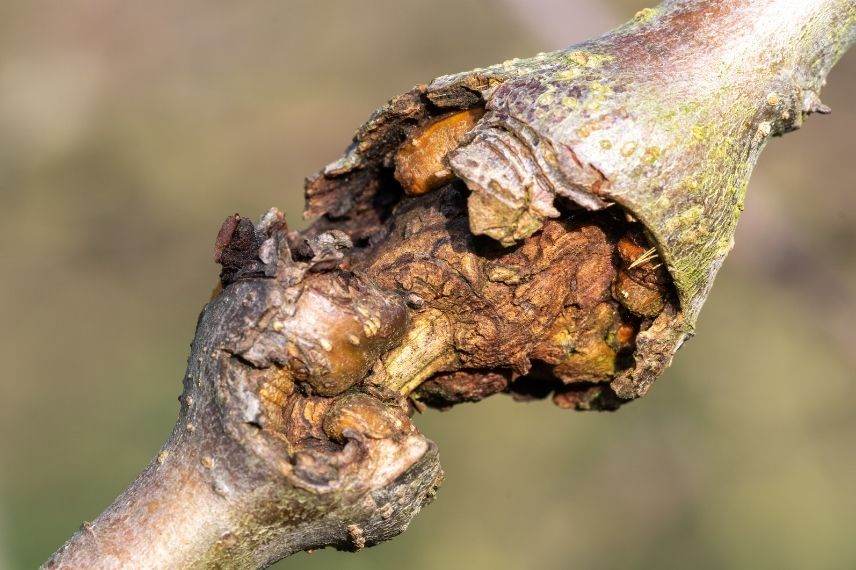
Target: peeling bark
543,227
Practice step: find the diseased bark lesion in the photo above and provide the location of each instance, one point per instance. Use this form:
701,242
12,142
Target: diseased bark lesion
543,228
426,313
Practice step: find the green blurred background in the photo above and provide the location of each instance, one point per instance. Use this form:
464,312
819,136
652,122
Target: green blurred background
128,131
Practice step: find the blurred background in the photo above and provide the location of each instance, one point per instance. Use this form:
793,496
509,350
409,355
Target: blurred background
130,130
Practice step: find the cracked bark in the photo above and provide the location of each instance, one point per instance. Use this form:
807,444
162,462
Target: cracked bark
542,227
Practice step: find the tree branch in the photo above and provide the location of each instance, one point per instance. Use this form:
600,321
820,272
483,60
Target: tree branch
543,226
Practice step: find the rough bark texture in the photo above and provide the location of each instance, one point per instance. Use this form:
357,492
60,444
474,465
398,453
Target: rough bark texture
548,226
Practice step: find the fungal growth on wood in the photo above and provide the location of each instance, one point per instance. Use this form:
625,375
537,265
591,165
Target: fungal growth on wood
542,228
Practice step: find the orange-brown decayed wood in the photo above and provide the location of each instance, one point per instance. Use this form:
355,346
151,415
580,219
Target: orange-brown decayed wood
420,163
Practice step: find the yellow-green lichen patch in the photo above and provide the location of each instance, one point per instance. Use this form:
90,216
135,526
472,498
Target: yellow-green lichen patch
645,15
702,132
546,98
591,60
598,94
570,102
651,155
568,74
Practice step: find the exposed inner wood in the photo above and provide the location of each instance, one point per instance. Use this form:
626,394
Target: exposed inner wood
420,163
552,309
